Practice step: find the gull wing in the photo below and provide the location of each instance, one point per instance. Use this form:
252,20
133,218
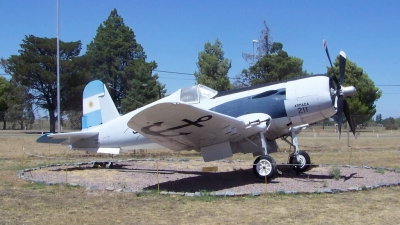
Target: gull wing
180,126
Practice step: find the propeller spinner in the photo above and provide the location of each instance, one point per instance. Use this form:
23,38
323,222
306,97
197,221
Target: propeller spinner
341,92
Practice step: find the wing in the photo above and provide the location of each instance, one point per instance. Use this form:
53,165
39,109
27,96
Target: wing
70,137
180,126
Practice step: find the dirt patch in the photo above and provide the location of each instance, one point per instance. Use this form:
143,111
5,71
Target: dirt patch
234,176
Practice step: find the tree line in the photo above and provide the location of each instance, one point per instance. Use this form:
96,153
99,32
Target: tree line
119,61
389,123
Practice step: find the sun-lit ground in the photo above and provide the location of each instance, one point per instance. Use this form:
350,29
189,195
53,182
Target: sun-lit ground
22,202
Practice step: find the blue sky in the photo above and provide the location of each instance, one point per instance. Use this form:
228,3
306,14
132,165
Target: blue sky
174,32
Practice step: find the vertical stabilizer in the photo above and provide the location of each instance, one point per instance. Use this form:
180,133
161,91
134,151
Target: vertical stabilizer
98,107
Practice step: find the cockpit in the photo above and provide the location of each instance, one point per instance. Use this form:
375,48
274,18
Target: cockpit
196,93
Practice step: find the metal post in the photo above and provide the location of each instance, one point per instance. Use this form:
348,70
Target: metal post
58,69
348,135
254,41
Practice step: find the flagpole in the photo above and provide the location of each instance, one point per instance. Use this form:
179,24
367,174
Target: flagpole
58,68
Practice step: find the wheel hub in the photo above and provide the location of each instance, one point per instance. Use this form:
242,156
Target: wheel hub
264,167
301,160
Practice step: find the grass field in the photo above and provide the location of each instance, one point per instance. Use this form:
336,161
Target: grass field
22,202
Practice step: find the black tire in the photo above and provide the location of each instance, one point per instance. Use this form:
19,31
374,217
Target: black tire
263,166
305,161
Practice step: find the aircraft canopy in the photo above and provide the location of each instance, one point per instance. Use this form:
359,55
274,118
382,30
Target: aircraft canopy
197,92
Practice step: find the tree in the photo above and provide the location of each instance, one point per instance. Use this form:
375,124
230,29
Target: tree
120,62
75,119
390,123
35,68
273,63
264,45
378,118
4,90
144,88
213,67
362,105
273,67
20,102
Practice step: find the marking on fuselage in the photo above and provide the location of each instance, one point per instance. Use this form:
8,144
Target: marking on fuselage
302,104
302,107
147,129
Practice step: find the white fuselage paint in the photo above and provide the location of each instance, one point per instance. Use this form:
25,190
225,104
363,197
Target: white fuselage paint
308,100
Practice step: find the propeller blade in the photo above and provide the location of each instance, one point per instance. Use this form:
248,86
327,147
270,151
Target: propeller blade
339,113
342,66
327,52
346,111
333,76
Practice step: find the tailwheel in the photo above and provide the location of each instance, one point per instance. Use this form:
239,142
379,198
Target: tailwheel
303,162
264,166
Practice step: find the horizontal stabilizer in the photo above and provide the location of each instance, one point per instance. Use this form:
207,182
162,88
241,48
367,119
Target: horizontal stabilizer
61,137
44,138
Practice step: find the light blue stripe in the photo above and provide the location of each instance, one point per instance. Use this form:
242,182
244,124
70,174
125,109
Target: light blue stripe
93,88
91,119
84,122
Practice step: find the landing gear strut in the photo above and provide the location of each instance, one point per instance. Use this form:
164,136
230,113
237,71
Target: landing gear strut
264,166
299,159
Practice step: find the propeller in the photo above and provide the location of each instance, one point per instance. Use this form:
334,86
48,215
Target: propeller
327,53
341,104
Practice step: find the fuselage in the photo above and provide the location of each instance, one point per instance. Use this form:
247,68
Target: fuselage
290,103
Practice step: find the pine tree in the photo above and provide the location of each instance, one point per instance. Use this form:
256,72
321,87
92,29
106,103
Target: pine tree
120,62
213,67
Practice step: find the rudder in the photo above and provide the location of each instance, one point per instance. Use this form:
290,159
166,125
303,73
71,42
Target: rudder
98,107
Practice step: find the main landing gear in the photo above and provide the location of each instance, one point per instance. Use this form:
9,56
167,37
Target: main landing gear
265,166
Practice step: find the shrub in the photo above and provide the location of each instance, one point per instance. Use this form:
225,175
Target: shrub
335,172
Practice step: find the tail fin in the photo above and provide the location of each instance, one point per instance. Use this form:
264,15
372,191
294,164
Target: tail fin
98,107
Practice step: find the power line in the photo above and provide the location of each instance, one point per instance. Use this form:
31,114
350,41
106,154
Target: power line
181,73
191,74
175,78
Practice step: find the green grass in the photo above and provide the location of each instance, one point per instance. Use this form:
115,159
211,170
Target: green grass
380,170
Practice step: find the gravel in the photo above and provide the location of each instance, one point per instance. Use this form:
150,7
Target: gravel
185,177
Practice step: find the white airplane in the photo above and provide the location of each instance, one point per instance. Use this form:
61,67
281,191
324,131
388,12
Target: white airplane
217,124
